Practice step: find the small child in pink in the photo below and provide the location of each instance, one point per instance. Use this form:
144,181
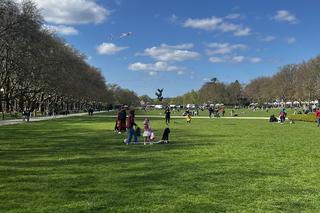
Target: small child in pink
147,131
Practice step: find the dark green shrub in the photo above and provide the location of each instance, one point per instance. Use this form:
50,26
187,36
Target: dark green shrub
302,117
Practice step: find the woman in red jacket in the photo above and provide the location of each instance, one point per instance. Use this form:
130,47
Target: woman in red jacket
130,125
318,116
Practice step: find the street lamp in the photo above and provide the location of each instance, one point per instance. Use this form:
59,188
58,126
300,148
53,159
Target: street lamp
2,99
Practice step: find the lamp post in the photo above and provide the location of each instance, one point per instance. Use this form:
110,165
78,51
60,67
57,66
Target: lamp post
2,99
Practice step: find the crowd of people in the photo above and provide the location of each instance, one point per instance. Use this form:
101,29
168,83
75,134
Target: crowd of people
124,124
127,124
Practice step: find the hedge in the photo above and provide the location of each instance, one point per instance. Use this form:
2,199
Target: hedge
302,117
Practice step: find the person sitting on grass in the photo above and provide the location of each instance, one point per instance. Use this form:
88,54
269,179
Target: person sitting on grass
273,119
165,136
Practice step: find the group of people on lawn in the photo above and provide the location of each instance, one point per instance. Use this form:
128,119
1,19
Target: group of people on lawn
123,124
283,115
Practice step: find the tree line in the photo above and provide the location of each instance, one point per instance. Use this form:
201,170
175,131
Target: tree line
40,71
293,82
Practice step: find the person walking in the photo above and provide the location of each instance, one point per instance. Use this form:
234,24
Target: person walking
117,127
188,117
168,115
122,117
317,113
130,128
210,109
223,111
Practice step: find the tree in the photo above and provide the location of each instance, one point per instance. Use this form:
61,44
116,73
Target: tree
146,99
284,83
212,92
233,93
39,71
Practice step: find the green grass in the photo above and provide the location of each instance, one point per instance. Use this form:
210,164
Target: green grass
213,165
244,112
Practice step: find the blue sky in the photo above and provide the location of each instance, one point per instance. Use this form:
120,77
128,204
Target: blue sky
179,44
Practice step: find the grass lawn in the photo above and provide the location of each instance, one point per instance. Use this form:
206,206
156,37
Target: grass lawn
243,112
213,165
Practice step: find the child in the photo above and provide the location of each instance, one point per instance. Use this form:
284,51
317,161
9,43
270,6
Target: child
117,127
188,118
147,131
282,115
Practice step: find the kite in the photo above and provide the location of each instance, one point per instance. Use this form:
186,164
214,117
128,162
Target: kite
159,94
122,35
125,34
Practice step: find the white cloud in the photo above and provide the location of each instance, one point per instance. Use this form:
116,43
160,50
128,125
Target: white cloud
234,59
153,69
179,46
267,38
158,66
224,48
72,11
216,59
172,53
242,31
291,40
255,60
62,29
109,49
285,16
233,16
203,24
215,23
238,59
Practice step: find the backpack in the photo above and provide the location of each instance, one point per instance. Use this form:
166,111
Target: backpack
138,131
122,115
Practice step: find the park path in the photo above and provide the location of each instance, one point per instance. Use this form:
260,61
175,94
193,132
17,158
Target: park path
194,117
34,119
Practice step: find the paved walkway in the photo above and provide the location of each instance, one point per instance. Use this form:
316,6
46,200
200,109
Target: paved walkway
33,119
193,117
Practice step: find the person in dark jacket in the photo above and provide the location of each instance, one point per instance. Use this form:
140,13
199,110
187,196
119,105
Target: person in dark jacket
168,113
122,116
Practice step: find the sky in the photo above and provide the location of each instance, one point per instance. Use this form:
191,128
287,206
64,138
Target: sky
179,45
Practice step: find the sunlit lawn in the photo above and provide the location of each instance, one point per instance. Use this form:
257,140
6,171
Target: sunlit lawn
213,165
242,112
